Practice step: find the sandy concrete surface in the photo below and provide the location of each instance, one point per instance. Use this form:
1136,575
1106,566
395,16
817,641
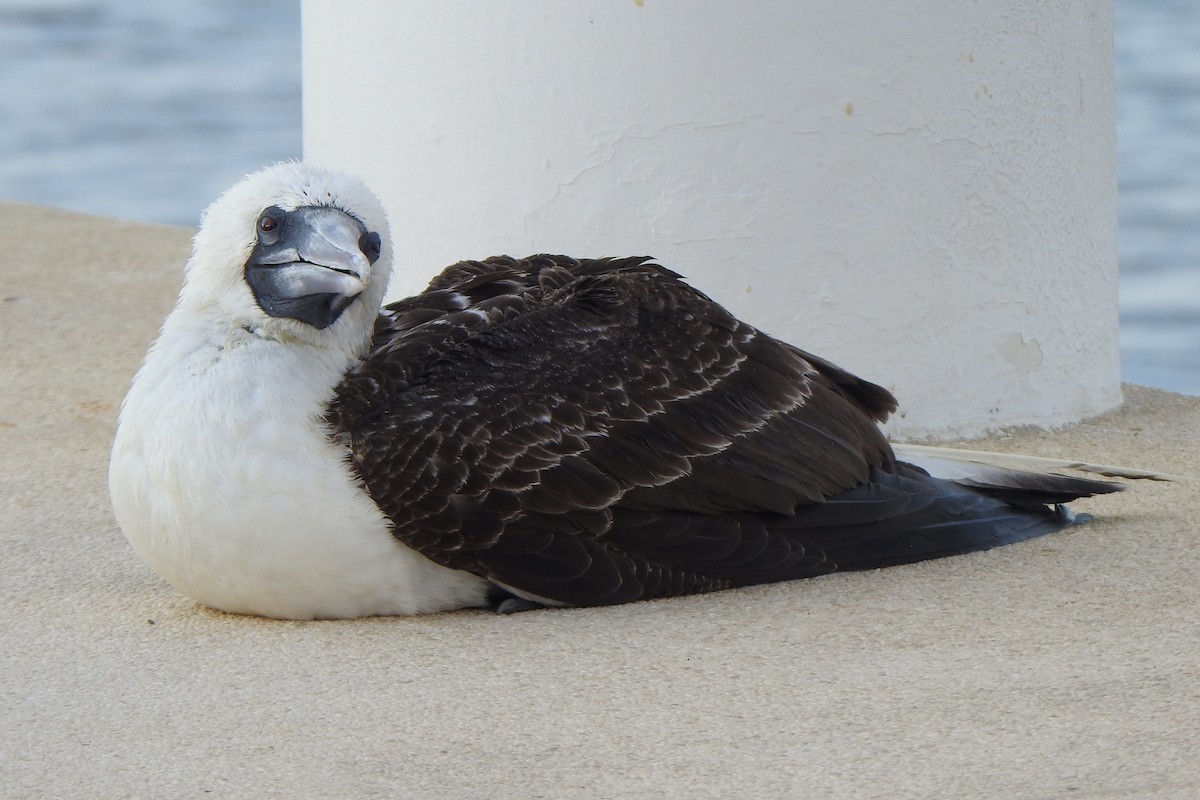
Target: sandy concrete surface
1066,667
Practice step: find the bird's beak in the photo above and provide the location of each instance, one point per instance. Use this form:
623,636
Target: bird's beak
310,263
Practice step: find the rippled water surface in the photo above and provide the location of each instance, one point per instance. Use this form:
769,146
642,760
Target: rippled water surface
1158,141
147,110
144,109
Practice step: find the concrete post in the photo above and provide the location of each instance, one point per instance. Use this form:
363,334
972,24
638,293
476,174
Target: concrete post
923,191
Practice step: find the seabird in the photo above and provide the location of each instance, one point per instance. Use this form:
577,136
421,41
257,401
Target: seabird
527,432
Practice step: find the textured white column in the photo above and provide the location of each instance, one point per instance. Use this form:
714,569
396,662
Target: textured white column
922,191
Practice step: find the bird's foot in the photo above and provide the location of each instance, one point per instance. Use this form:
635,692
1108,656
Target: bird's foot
513,605
502,601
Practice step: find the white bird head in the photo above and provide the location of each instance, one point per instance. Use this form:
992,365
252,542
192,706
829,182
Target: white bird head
293,252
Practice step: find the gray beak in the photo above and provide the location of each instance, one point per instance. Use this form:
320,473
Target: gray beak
311,263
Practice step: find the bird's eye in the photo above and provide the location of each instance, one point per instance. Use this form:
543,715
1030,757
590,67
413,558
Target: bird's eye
370,245
270,224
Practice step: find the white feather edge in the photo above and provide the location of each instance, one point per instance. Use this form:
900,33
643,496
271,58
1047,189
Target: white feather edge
917,452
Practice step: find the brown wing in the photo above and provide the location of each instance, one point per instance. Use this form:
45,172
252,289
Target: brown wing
598,431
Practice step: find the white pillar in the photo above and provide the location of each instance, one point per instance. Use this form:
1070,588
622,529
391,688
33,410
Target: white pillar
922,191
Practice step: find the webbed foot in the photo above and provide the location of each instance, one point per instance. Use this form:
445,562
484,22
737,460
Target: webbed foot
513,605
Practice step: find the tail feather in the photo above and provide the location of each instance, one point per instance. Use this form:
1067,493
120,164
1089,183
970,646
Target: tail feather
900,515
908,515
1019,487
929,454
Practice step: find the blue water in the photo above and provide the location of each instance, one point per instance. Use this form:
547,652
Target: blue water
141,108
148,110
1158,175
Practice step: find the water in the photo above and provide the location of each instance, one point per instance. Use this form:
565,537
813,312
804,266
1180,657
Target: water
1158,175
144,109
147,110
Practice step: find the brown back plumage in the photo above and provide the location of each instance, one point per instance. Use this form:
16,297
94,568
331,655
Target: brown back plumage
597,431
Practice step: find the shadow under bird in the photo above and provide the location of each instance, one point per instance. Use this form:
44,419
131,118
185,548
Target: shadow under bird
537,432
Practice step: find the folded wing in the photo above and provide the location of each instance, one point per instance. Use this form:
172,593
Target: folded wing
588,432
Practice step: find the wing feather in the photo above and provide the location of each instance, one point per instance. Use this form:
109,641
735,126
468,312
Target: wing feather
589,432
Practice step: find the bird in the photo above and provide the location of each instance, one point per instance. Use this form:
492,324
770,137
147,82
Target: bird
525,433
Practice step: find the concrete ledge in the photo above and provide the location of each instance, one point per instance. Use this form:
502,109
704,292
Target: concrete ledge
1063,667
